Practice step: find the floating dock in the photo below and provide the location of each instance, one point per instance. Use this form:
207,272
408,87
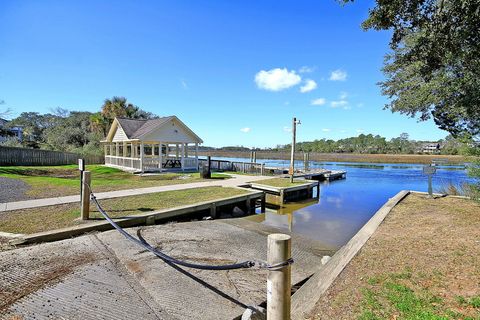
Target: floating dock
320,175
280,195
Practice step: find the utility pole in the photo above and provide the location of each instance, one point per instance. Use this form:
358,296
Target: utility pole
292,156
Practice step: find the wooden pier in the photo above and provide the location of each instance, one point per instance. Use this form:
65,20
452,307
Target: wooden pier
320,175
262,169
280,195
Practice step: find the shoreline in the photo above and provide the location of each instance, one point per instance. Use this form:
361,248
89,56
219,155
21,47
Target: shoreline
344,157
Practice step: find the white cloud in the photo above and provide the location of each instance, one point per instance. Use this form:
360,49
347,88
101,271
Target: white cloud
326,130
277,79
339,103
360,130
343,95
360,105
184,84
309,85
287,129
318,102
306,69
338,75
246,129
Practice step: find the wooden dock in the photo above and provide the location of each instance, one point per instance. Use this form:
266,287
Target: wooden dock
320,175
262,169
280,195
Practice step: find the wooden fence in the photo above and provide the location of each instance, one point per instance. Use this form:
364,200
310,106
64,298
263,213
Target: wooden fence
10,156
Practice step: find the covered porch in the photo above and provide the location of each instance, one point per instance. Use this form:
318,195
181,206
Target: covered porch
151,156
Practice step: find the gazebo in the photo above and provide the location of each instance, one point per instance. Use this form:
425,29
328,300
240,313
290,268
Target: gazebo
151,145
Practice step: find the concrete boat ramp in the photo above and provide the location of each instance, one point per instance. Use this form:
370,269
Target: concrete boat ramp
104,276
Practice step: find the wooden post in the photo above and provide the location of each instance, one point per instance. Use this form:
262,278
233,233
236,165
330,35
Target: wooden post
81,168
279,281
160,160
248,205
262,204
85,201
213,211
292,155
262,169
182,161
196,155
141,155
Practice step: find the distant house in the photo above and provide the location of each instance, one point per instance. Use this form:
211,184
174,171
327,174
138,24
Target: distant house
431,148
5,132
151,145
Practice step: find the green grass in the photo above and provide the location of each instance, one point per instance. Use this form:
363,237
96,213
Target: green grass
54,181
53,217
390,297
280,182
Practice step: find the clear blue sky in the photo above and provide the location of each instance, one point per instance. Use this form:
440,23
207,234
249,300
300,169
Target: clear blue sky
231,70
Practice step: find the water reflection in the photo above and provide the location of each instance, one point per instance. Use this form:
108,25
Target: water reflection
345,206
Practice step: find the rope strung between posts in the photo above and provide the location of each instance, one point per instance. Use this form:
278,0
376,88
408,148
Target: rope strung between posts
165,257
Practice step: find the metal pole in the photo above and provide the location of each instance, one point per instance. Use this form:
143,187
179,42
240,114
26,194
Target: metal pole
430,189
85,201
292,155
279,281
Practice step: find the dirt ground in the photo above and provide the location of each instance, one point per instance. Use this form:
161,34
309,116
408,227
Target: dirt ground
423,262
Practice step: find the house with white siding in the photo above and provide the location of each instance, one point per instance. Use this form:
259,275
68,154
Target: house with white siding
151,145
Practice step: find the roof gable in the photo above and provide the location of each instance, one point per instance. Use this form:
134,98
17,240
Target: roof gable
148,129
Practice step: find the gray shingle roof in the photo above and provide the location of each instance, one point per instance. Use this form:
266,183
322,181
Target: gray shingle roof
134,128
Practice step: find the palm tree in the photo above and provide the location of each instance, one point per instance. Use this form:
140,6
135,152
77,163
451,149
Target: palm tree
118,107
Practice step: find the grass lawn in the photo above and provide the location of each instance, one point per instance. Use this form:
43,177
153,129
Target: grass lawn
53,217
54,181
280,182
421,263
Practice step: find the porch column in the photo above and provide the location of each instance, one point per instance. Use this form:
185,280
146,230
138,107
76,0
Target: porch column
153,149
186,150
117,149
141,156
183,156
196,155
124,151
176,151
160,156
111,149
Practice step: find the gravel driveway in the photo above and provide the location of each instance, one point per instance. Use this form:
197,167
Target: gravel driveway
12,190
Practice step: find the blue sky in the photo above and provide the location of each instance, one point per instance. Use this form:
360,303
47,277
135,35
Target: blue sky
231,70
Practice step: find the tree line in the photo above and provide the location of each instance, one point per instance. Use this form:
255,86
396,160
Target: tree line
73,131
368,143
376,144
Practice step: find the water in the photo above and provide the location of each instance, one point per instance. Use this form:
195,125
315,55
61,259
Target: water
346,205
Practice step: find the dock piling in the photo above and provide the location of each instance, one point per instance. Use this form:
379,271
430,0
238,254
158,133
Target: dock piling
279,280
85,195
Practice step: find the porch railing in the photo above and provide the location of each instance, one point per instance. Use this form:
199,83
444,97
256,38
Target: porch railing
128,162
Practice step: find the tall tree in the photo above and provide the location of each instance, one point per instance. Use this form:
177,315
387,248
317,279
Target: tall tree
117,107
433,70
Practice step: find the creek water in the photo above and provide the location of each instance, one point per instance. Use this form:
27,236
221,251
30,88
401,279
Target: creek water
344,206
